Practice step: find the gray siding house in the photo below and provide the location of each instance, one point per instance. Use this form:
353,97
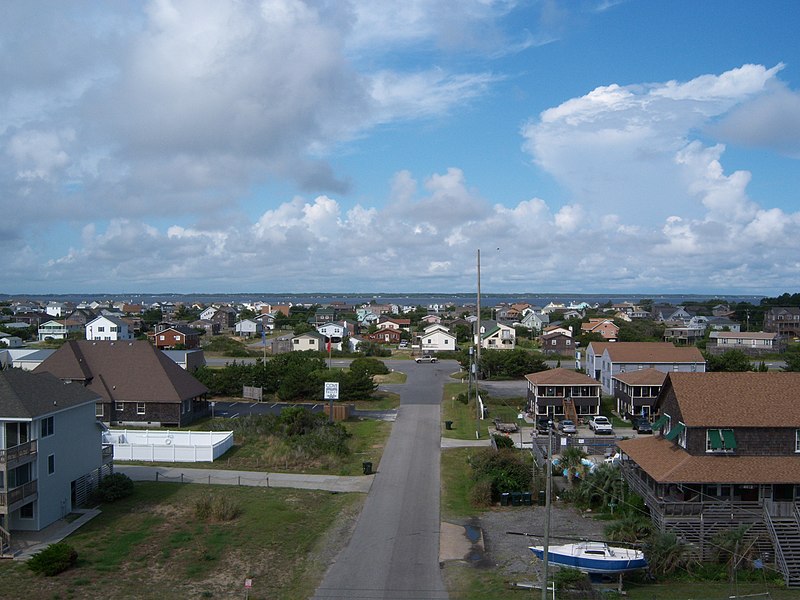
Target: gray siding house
51,451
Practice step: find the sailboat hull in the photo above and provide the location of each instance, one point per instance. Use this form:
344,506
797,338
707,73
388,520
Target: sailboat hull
593,557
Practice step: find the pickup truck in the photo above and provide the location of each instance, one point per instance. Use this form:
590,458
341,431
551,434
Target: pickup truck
600,424
425,359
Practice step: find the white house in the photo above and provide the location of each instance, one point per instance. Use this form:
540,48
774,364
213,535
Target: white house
248,328
436,338
53,455
55,309
10,341
208,313
499,337
53,330
108,329
335,331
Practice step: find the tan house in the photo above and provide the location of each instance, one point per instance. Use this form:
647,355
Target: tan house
752,343
605,327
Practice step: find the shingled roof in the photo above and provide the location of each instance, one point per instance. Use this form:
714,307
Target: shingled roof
652,352
560,376
642,377
669,463
737,399
25,395
126,371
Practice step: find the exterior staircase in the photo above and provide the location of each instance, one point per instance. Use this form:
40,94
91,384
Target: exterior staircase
569,410
785,534
5,544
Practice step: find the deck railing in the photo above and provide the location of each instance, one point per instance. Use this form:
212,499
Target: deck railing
18,452
18,493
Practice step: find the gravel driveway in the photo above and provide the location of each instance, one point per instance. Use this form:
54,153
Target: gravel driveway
509,553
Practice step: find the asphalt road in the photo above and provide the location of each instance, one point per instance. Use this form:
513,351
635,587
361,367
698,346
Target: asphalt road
394,550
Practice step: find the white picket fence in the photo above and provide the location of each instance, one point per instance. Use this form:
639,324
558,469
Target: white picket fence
168,446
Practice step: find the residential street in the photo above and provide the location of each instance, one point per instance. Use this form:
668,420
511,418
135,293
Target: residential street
394,550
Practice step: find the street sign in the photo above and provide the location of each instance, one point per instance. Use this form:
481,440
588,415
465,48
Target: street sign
331,390
248,583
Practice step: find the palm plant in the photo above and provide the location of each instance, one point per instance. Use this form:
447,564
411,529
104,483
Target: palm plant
666,553
572,462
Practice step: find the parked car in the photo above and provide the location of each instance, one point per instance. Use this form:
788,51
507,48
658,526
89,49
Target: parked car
403,344
642,425
600,424
543,424
567,426
425,359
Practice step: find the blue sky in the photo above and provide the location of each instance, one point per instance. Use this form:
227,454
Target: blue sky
346,146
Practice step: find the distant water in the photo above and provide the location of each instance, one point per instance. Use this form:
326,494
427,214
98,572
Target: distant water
411,299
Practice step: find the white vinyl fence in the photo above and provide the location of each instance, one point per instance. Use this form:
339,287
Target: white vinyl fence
168,446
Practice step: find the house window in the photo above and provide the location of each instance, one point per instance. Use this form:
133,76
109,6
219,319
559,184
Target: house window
101,328
295,341
797,440
26,512
720,440
98,409
162,337
140,408
51,464
47,427
119,406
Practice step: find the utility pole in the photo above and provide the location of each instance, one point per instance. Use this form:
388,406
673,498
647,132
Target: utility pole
478,323
546,548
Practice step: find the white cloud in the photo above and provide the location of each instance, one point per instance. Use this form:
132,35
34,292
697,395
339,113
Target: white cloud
628,150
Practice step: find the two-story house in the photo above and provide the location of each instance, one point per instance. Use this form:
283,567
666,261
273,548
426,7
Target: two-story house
623,357
636,391
175,336
248,328
51,451
562,392
108,329
728,455
138,384
334,332
557,342
498,337
784,320
605,327
436,338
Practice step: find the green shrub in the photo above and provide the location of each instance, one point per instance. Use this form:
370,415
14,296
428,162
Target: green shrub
373,366
503,441
505,468
113,487
53,560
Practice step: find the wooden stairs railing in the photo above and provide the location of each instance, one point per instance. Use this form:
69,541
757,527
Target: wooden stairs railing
569,410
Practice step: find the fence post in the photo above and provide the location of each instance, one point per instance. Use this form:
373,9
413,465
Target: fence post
156,475
209,479
239,481
181,477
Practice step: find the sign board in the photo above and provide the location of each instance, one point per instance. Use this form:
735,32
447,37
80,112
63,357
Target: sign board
248,583
331,390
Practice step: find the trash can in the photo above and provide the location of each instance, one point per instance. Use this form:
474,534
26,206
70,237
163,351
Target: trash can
542,498
448,424
367,468
516,498
505,499
527,500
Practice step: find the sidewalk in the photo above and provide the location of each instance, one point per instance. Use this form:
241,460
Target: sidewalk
330,483
28,543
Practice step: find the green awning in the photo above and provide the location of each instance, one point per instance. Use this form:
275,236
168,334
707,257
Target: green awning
715,438
675,431
660,422
730,441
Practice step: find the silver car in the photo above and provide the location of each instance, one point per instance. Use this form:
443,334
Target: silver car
567,426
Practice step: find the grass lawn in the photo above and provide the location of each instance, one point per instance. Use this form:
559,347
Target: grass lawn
151,545
462,415
391,377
